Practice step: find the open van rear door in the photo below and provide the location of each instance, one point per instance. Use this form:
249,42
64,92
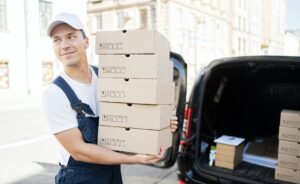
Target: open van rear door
180,80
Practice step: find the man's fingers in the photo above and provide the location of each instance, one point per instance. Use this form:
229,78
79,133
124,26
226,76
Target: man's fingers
173,123
151,159
174,126
174,118
161,151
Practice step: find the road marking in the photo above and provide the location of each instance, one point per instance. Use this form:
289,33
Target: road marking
29,141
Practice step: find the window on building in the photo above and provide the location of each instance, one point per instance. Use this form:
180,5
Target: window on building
202,24
4,77
45,14
99,21
205,2
3,18
120,18
180,15
152,21
239,45
143,18
239,22
244,45
219,4
47,69
214,4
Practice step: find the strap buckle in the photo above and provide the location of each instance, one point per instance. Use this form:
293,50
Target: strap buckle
78,108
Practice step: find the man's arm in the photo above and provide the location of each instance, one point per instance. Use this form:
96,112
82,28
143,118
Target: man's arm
73,142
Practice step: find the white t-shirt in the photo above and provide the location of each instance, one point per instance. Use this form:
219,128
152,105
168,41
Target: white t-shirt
57,109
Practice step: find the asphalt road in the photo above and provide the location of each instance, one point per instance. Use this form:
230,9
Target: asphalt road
28,153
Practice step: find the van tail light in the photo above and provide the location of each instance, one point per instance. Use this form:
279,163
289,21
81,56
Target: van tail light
186,127
181,182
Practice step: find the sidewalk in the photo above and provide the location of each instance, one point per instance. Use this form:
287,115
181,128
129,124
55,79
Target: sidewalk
10,103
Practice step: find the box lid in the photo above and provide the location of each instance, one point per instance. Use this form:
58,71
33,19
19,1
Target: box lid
230,140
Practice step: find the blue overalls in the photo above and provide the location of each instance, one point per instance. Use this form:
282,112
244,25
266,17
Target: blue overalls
77,172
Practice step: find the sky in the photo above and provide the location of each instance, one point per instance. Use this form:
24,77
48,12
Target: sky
292,14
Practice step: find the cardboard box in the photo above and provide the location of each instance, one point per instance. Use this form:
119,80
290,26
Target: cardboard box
285,174
233,158
132,42
136,67
290,118
154,117
289,161
142,91
289,147
289,133
229,151
228,165
134,140
227,158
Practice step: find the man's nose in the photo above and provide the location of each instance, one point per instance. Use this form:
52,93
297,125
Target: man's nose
65,44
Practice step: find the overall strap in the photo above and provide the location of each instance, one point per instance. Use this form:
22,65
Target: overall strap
76,104
95,69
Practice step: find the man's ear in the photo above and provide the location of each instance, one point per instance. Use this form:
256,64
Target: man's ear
87,43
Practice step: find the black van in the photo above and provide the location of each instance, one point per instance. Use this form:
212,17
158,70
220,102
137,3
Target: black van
240,96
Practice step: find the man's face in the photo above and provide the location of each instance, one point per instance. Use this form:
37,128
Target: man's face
69,45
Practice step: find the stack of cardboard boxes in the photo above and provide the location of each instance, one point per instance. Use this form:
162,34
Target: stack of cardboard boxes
136,91
229,151
288,167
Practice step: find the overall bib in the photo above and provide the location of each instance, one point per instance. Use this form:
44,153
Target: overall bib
77,172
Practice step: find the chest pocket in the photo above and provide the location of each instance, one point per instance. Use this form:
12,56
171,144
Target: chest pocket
89,129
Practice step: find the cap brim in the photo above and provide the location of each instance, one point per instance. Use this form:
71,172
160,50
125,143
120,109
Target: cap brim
56,23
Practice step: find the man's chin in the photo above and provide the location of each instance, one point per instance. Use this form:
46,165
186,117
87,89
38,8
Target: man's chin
71,63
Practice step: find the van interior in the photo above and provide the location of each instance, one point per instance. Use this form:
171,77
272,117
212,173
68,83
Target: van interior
245,99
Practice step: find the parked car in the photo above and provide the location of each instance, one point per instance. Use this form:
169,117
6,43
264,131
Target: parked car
239,96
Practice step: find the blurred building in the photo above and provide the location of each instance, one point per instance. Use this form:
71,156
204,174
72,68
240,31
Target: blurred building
273,26
199,30
291,44
27,61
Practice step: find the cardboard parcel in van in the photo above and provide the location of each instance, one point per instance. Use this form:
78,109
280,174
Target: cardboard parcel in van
229,151
290,118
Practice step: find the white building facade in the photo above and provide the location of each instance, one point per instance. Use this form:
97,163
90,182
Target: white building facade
199,30
291,44
27,61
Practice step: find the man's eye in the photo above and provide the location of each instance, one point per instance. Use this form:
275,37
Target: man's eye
55,40
72,36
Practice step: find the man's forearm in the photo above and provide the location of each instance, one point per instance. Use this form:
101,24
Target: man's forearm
96,154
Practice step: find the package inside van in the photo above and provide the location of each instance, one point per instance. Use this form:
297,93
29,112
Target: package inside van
245,99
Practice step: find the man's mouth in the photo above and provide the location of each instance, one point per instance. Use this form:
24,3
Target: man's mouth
67,53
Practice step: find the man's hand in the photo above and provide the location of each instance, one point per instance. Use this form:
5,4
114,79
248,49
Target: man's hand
174,123
149,159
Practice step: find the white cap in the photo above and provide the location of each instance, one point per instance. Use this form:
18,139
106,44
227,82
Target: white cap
67,18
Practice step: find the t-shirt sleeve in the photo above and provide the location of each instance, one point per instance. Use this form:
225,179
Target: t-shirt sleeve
58,112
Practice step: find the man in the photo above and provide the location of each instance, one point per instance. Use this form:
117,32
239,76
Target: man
71,109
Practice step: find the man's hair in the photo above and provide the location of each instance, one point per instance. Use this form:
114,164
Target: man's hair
83,34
